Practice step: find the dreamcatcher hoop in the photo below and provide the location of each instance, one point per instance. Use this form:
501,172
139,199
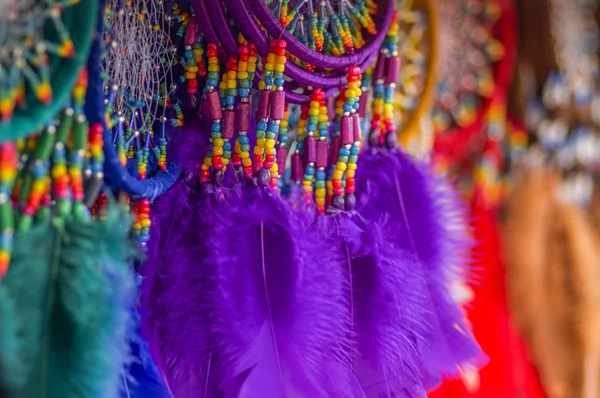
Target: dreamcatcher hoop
78,21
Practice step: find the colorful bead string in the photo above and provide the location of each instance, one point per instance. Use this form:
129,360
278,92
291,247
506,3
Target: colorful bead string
8,172
215,113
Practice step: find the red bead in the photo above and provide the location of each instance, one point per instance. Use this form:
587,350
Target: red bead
270,157
350,189
279,51
349,182
243,50
258,158
212,46
337,184
205,173
193,83
354,70
252,50
244,57
268,165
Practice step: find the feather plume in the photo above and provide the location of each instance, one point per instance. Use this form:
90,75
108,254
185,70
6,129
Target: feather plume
280,319
175,290
72,290
387,310
430,222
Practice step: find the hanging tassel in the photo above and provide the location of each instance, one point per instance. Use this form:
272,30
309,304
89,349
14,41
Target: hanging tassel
72,290
431,224
388,311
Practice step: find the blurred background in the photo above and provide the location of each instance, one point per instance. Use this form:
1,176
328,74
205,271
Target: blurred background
526,156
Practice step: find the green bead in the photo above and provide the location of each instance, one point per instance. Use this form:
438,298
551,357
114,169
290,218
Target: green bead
245,147
343,158
63,207
353,158
80,135
6,215
64,128
25,223
44,145
320,184
270,134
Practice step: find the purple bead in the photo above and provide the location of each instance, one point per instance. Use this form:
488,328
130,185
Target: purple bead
311,149
213,105
334,151
331,107
346,130
277,105
281,157
321,153
243,116
350,201
362,105
262,177
356,127
191,32
390,140
337,201
392,69
379,67
297,167
228,124
264,104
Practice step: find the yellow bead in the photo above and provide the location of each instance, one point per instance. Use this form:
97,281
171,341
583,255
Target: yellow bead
258,150
217,151
251,68
232,84
225,161
313,112
323,118
340,166
212,61
242,67
208,161
261,85
213,68
350,93
269,66
247,162
204,166
320,193
270,143
232,75
190,75
146,223
218,142
59,170
270,151
137,226
352,166
337,174
315,104
280,67
358,91
192,69
242,75
306,183
274,168
260,142
245,155
320,201
350,173
281,59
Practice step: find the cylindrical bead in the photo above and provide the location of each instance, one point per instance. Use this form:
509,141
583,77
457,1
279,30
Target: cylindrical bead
243,116
362,105
264,102
356,127
277,105
379,67
191,33
297,167
321,153
392,70
213,105
346,130
311,149
281,157
331,107
228,124
334,152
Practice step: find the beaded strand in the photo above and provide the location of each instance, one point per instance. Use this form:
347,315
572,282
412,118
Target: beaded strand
8,172
215,113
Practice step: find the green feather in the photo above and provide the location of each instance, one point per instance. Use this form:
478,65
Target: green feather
72,291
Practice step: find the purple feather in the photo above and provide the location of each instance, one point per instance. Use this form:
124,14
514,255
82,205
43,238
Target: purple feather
431,223
280,317
175,290
387,308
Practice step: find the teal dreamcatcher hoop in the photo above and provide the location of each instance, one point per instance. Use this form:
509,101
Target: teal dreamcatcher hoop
43,46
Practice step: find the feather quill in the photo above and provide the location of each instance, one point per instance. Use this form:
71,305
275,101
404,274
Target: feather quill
72,290
430,222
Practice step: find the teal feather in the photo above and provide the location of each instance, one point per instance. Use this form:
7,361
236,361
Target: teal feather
72,291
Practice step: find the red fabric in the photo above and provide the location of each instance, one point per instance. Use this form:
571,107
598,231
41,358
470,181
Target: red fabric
509,373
